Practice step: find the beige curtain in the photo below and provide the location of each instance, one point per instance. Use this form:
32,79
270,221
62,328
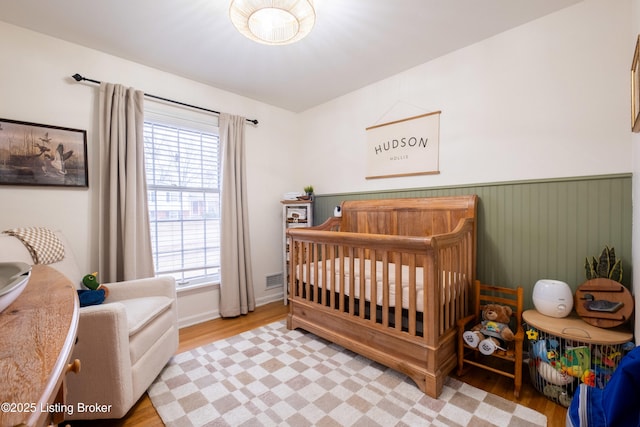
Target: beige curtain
236,283
123,237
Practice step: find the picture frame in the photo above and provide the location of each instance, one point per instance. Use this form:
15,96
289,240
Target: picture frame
635,88
42,155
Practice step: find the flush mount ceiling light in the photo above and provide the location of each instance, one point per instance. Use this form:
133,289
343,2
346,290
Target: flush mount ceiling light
273,22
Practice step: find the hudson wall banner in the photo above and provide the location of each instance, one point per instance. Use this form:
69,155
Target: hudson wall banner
404,147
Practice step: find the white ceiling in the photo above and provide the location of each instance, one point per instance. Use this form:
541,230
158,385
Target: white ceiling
354,42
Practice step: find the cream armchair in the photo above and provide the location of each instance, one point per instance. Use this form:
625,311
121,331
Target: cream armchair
122,345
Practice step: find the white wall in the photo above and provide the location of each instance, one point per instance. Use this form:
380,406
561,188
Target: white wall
35,86
547,99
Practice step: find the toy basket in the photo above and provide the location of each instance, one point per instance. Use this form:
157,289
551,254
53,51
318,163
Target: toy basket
558,362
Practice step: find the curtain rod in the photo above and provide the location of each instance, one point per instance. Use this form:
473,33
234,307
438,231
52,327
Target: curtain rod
77,77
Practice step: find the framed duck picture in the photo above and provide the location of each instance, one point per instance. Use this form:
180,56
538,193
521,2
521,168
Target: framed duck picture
35,154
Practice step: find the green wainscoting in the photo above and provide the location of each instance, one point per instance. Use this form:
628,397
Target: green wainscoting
530,230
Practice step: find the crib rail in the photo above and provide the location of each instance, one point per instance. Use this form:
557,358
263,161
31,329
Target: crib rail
417,286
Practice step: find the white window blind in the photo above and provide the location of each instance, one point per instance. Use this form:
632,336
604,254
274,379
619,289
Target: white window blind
183,184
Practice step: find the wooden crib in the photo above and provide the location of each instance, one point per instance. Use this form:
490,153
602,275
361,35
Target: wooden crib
388,280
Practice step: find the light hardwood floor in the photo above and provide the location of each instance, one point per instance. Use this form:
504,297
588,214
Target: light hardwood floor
143,414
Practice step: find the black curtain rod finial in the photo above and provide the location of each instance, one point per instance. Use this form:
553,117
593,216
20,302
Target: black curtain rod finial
77,77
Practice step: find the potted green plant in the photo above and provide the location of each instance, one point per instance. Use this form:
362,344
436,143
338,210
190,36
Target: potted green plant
308,190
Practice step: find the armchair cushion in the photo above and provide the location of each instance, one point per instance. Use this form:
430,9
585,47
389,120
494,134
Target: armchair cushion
145,337
141,311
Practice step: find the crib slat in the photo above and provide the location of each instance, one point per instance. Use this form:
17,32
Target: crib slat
352,278
363,283
459,282
446,289
332,286
412,295
316,282
293,265
385,288
425,278
300,267
398,285
373,315
306,259
431,313
322,284
342,281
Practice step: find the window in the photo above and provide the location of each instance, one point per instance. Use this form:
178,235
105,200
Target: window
183,183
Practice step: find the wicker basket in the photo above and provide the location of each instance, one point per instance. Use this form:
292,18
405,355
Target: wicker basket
559,360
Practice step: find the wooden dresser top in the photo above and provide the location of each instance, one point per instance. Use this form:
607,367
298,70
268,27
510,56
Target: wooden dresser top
37,335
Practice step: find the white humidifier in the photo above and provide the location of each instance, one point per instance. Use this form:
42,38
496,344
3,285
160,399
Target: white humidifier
552,298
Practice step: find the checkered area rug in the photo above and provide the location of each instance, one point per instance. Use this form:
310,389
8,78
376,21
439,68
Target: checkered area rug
271,376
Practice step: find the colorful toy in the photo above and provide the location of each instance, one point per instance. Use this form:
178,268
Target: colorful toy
95,294
589,378
494,329
552,375
606,356
546,350
576,361
532,334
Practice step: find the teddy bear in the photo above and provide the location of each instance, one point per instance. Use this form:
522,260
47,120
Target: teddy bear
494,329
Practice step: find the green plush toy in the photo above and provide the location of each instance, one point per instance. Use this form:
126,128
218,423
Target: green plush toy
95,294
91,281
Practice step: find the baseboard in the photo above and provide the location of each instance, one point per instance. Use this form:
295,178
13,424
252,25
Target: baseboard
201,317
198,318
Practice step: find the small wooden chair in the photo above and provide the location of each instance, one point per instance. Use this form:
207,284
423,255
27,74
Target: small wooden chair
512,352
